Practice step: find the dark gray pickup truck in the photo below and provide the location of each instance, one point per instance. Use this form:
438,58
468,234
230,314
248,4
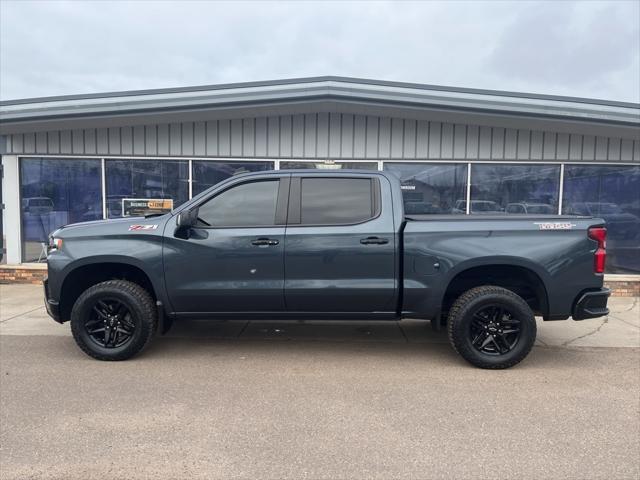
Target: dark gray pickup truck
325,245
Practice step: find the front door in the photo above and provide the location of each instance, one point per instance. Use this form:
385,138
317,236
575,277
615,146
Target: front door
232,260
340,245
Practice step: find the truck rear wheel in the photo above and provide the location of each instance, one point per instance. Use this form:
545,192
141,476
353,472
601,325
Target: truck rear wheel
491,327
113,320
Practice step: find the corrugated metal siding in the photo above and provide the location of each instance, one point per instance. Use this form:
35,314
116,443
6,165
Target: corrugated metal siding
324,135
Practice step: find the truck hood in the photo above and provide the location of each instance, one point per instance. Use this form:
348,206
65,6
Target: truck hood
110,227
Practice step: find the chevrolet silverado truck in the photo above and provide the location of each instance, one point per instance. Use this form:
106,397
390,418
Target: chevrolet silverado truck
324,245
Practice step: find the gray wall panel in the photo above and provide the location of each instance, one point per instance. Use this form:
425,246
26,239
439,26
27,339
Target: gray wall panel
422,139
346,149
151,140
536,145
138,140
485,140
163,139
89,141
286,136
224,137
328,135
359,136
446,144
562,147
236,137
126,140
65,142
497,143
371,148
77,142
261,137
510,144
187,139
459,141
53,141
175,139
626,150
113,136
384,137
41,141
435,139
323,135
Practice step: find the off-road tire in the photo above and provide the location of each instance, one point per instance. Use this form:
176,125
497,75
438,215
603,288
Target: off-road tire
472,301
140,305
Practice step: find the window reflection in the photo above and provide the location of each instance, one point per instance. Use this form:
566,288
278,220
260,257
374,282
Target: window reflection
207,173
515,189
431,188
613,194
321,165
145,179
55,192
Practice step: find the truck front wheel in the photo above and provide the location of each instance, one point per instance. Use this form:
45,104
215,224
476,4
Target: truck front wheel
491,327
113,320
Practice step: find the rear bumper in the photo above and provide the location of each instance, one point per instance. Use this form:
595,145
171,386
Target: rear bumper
591,304
52,306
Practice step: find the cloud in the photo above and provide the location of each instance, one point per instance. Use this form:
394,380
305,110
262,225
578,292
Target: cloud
587,49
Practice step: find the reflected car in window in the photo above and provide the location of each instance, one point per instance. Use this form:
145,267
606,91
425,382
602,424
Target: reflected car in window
37,205
620,224
477,206
530,208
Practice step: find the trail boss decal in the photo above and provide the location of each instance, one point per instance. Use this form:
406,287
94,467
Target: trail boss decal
135,228
555,225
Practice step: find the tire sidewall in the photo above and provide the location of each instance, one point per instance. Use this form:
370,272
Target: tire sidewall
462,325
82,309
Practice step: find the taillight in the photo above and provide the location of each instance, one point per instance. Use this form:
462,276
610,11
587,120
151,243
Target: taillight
599,234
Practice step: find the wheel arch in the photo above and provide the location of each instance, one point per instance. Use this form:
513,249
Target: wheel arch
82,274
519,275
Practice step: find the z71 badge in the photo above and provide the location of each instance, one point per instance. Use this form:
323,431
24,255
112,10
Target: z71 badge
555,226
142,227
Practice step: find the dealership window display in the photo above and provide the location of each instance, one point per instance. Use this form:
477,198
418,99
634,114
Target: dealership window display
140,180
432,188
56,192
514,189
613,194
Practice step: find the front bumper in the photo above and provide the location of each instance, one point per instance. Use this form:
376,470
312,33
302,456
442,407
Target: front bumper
591,304
52,306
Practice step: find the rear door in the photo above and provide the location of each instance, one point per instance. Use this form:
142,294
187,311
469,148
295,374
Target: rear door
340,245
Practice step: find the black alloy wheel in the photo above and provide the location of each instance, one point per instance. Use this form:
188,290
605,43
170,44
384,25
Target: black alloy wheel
114,320
491,327
494,330
110,323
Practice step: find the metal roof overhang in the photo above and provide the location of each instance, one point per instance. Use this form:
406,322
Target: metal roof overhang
323,94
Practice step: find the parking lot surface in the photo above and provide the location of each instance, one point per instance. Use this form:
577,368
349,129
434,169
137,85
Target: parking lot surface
317,400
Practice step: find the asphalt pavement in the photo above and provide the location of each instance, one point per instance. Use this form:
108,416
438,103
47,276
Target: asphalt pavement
317,400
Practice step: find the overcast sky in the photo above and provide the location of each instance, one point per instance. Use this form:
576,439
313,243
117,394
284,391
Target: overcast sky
584,48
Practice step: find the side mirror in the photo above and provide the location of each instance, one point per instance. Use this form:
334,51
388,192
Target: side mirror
186,220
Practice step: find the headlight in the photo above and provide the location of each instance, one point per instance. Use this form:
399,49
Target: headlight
55,243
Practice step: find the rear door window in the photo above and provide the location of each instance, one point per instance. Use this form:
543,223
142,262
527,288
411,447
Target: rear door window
336,201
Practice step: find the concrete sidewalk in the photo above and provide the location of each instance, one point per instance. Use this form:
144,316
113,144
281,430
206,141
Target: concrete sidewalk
22,313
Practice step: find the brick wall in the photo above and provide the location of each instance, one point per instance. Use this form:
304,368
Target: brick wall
622,287
22,273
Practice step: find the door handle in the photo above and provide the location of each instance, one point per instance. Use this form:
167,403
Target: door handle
373,241
264,242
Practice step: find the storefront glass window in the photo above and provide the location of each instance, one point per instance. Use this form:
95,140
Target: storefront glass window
208,173
613,194
515,189
329,166
56,192
431,188
131,180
